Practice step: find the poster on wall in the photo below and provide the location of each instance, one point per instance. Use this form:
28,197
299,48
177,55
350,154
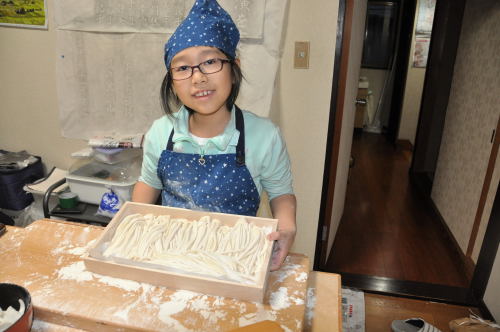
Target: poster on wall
423,32
421,50
425,16
23,13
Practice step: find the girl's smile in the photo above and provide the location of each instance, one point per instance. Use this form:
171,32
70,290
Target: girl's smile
203,93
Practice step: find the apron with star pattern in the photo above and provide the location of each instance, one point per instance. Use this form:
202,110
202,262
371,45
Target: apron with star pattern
214,183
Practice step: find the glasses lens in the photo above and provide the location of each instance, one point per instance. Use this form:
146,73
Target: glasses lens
181,73
211,66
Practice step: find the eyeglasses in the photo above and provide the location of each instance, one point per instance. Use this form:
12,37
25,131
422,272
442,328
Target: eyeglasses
210,66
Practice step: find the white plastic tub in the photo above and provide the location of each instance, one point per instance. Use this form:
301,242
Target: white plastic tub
92,179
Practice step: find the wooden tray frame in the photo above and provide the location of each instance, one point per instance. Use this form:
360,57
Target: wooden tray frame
148,273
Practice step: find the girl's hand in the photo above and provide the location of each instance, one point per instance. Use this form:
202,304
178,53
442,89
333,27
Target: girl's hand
283,208
284,240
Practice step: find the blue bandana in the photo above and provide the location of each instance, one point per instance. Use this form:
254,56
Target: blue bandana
207,24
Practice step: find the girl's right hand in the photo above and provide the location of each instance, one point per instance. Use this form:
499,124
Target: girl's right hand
284,240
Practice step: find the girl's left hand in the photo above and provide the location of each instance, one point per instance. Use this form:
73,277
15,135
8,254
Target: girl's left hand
284,240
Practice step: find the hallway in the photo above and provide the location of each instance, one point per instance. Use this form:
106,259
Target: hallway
387,229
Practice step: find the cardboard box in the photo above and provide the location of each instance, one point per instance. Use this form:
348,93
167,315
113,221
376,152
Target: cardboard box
153,274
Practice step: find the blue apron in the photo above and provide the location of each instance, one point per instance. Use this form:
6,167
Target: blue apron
215,183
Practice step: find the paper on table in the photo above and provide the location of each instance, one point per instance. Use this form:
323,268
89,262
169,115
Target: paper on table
42,186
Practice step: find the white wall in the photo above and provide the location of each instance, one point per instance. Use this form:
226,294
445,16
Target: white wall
29,116
29,112
303,101
412,96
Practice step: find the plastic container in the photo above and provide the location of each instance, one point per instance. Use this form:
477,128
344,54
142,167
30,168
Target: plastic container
90,179
114,156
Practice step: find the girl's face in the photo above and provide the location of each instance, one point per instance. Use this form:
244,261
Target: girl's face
204,93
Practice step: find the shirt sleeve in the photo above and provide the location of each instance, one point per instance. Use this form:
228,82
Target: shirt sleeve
152,150
276,170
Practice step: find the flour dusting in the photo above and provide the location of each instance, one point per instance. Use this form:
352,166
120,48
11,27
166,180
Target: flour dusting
197,303
208,311
123,314
286,271
75,271
297,300
301,277
310,304
67,247
128,285
142,299
260,315
61,247
279,299
243,307
178,302
39,325
78,251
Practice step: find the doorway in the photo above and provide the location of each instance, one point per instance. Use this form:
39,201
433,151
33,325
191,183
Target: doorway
459,294
388,227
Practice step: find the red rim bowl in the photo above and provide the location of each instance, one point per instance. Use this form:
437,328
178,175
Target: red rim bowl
9,297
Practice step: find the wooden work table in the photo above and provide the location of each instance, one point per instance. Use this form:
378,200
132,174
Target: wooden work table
46,258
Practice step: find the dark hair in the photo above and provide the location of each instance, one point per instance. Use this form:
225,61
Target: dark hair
171,103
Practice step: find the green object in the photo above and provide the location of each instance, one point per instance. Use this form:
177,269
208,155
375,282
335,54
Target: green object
23,12
68,200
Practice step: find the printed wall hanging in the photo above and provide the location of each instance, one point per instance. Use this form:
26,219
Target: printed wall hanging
24,13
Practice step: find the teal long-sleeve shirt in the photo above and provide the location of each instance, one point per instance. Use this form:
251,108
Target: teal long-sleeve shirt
265,151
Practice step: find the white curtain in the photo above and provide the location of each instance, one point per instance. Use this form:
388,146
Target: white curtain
110,59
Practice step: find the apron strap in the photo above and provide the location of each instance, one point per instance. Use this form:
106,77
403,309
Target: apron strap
240,147
170,144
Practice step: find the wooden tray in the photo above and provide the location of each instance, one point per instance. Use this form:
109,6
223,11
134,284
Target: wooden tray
154,274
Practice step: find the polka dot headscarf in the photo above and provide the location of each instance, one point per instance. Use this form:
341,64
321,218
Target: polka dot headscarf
207,24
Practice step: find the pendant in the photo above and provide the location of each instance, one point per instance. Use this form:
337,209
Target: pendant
201,161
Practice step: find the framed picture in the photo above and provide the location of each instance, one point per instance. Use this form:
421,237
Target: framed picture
421,51
23,13
423,32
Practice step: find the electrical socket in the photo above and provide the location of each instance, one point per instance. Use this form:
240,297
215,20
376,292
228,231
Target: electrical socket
301,55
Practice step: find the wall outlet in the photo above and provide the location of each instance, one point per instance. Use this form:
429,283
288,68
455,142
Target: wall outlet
301,55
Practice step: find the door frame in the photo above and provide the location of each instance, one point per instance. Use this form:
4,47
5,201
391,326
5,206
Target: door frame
345,15
406,20
344,23
449,32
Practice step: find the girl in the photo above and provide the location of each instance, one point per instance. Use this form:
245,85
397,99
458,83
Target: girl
206,153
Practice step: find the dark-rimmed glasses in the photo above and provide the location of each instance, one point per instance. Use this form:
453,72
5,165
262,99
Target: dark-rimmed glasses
210,66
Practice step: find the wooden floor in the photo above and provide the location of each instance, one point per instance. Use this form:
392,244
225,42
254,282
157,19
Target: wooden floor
387,230
381,310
